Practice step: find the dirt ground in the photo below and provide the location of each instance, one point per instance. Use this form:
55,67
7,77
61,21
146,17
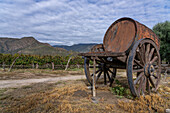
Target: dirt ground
75,95
19,74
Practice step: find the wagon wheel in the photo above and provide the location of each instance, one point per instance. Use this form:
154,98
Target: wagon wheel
102,69
144,67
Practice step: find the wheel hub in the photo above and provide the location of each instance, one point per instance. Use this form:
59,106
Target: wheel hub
102,66
149,70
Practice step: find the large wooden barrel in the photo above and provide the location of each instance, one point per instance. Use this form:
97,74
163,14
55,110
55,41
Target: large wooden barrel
123,33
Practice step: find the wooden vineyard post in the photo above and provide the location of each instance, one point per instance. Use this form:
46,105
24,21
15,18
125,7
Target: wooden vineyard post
3,66
33,66
12,64
37,65
67,64
52,63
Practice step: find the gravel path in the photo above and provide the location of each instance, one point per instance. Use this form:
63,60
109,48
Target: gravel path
19,83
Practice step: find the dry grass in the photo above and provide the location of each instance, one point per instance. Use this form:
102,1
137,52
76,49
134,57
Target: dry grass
68,98
75,97
148,104
47,101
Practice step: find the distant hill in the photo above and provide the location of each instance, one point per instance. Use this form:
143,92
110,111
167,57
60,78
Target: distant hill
29,45
77,47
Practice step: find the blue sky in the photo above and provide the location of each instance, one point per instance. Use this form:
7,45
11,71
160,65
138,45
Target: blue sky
74,21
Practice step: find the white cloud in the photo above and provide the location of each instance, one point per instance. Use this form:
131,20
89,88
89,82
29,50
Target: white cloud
51,42
75,21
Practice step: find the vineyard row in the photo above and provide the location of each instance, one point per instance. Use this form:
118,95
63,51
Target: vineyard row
20,59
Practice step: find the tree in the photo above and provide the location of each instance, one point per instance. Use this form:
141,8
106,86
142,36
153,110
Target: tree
163,31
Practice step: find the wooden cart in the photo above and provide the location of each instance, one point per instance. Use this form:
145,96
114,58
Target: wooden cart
128,45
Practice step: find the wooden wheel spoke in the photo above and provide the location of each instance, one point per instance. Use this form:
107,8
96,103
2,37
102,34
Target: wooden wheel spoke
108,76
139,77
143,52
98,61
138,62
154,59
144,86
113,76
148,85
143,48
102,59
151,81
138,70
140,57
98,76
148,47
156,67
151,53
155,76
110,71
104,77
98,70
147,53
140,85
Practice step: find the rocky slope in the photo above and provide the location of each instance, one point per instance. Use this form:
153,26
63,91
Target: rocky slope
28,45
77,47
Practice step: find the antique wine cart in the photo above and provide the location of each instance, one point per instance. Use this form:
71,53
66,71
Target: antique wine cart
128,45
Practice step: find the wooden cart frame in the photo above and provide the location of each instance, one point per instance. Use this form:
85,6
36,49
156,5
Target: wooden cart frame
128,45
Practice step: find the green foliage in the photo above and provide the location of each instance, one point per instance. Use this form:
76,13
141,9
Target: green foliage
118,90
121,91
41,60
77,60
163,31
117,82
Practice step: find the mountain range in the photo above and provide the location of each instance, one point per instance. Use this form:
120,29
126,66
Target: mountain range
77,47
29,45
